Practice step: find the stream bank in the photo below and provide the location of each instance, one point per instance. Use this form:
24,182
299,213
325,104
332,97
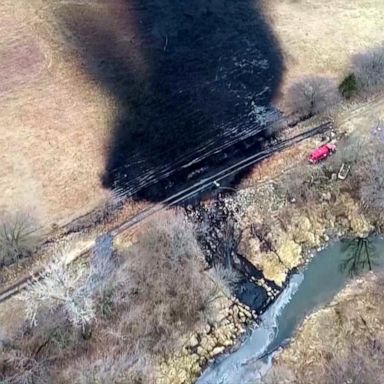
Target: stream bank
325,275
259,231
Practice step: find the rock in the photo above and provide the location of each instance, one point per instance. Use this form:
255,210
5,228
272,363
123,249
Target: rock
195,369
223,336
304,232
290,252
195,357
247,313
201,352
327,196
360,225
207,343
236,311
217,351
272,269
193,342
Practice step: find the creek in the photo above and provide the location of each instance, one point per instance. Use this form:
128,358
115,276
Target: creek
307,290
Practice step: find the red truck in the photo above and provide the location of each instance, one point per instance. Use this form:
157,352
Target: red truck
322,153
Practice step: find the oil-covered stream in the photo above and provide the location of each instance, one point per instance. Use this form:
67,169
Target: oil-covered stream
313,287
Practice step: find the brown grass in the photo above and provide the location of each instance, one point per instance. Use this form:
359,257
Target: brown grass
161,281
318,37
55,121
342,342
156,293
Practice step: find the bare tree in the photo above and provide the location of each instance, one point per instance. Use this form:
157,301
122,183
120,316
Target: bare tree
351,151
279,375
368,68
127,369
17,237
227,277
3,338
104,213
312,95
74,290
162,281
17,368
372,190
303,183
363,364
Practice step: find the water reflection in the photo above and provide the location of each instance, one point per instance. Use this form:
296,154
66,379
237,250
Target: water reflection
360,255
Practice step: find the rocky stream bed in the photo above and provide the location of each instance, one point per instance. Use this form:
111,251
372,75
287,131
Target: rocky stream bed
229,232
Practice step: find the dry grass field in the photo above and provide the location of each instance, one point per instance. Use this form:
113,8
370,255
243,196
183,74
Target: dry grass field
55,121
353,321
318,37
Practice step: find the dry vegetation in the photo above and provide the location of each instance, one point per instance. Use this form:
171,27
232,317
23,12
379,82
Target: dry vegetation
45,92
316,95
307,205
368,68
17,237
365,181
318,37
55,121
306,183
340,344
312,95
110,320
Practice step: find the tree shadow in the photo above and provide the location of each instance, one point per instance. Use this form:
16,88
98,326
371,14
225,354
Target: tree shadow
193,82
360,256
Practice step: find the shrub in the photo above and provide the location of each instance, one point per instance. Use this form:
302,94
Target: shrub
312,95
304,183
125,369
104,213
372,189
350,151
349,86
368,67
17,237
226,277
73,290
279,375
144,297
17,368
361,365
163,283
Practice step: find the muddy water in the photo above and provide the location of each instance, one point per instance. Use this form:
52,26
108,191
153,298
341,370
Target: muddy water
315,286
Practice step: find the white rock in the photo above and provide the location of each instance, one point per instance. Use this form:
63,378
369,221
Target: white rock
193,342
217,351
